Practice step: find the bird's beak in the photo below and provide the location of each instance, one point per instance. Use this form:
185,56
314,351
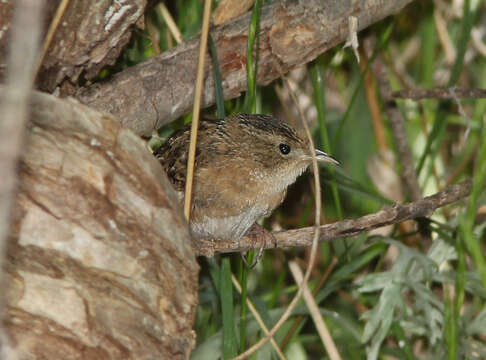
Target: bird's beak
322,156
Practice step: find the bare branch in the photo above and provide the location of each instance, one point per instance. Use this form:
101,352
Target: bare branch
460,93
293,32
346,228
91,35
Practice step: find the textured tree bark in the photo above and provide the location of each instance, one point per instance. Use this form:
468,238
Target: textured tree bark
293,32
91,35
100,263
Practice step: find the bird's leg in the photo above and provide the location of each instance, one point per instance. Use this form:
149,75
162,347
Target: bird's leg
258,234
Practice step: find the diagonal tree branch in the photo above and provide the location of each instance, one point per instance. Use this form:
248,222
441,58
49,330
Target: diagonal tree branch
293,32
450,93
346,228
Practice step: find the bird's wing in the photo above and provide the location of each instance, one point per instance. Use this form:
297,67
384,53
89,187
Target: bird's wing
174,152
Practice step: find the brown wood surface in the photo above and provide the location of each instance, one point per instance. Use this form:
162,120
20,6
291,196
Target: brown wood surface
100,263
293,32
90,35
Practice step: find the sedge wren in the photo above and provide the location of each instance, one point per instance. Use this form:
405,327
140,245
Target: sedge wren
244,165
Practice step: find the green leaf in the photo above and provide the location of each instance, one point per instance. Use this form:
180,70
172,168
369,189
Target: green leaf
478,325
381,318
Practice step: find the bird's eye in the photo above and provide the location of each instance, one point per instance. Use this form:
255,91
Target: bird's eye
284,148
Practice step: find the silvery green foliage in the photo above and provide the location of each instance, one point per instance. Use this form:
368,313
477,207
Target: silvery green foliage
412,273
423,314
409,269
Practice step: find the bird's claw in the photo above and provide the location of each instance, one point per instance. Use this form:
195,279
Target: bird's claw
258,233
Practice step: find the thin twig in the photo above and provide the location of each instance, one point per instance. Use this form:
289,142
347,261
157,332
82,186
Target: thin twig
444,38
398,71
460,169
408,174
440,93
171,25
258,318
321,327
298,319
196,109
154,34
52,30
358,306
390,215
370,91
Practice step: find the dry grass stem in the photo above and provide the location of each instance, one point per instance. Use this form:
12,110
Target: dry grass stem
321,327
299,318
370,91
196,109
444,38
171,25
258,318
52,30
154,35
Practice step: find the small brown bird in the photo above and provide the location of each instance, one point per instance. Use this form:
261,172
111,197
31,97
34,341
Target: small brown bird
244,164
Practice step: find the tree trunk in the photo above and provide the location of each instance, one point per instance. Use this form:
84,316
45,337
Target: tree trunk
100,263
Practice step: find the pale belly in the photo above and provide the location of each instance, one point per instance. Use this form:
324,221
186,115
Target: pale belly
228,227
219,216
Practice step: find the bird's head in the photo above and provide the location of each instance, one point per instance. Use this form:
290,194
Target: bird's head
270,149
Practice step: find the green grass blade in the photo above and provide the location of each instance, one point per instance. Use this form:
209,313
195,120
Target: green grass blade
358,262
251,106
466,225
252,62
440,119
317,77
451,334
427,65
383,41
243,270
226,295
217,79
402,338
467,24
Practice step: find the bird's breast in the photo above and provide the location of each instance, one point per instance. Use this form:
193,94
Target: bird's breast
227,202
231,227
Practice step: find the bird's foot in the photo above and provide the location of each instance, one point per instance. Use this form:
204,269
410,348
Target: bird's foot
258,234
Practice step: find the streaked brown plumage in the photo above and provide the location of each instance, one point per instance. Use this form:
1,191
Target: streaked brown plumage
244,164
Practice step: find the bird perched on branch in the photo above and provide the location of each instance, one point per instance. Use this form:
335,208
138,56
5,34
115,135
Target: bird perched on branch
244,165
